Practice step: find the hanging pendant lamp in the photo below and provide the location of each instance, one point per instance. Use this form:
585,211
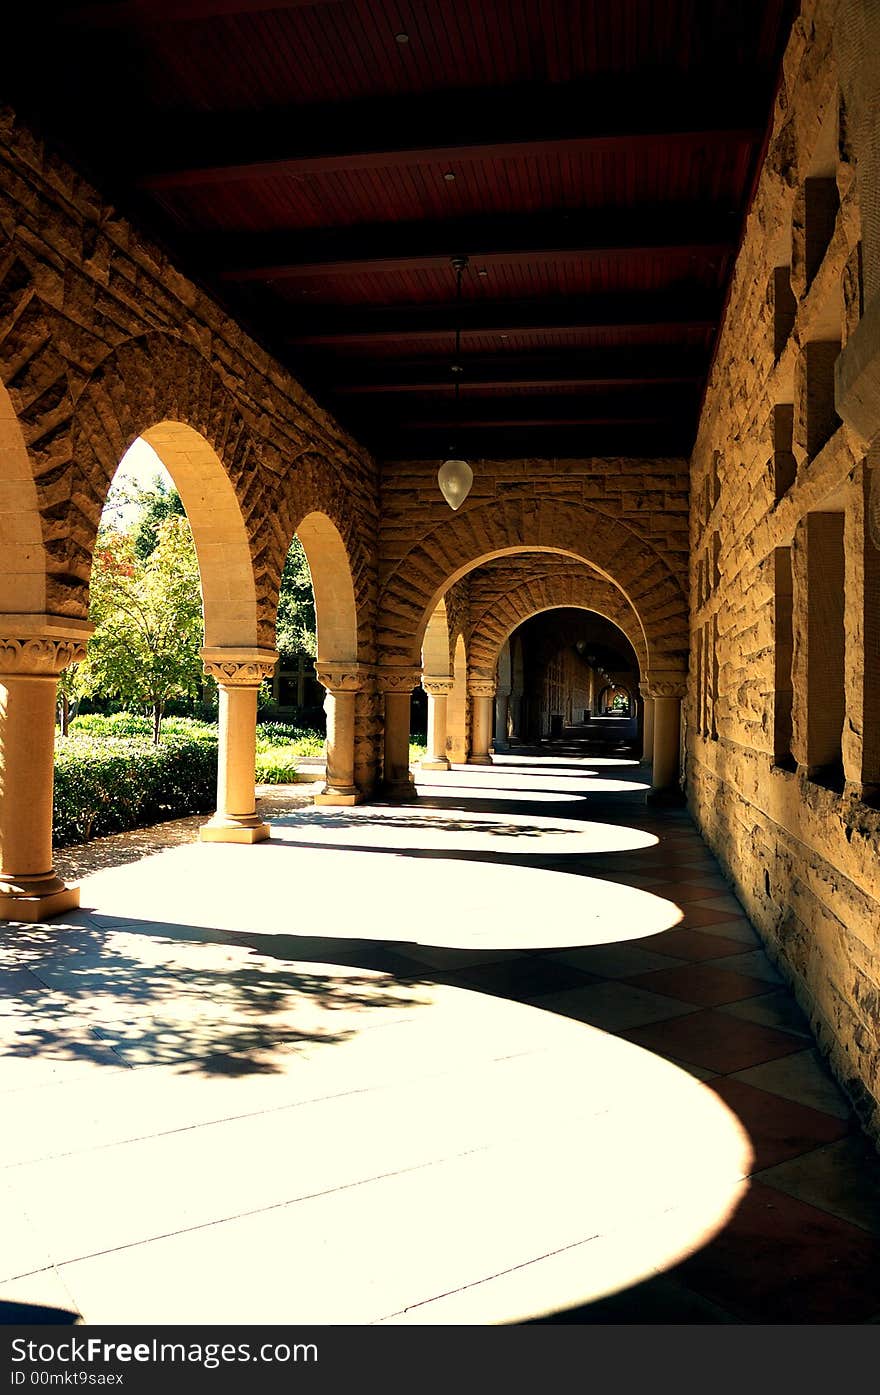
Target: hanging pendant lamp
455,476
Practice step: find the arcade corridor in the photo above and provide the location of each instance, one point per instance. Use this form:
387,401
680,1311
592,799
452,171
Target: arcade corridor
508,1053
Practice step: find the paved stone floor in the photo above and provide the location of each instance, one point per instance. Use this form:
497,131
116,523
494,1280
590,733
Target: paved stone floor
510,1053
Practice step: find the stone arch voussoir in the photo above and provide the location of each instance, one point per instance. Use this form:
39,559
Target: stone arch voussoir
312,487
575,587
153,379
610,546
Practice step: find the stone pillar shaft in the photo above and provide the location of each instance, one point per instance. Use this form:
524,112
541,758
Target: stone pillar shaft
667,719
343,682
397,685
647,725
502,710
666,689
239,673
438,690
481,692
29,667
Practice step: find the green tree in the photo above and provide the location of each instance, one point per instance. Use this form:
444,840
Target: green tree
148,618
157,503
71,687
296,629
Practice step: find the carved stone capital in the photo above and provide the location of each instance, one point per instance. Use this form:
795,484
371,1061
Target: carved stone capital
397,680
436,685
669,684
481,687
645,690
41,646
343,678
238,668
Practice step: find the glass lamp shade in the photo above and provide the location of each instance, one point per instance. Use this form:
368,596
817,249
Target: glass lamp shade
455,478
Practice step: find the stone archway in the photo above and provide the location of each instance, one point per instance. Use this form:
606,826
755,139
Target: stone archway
312,502
567,585
160,388
437,681
505,528
229,597
336,664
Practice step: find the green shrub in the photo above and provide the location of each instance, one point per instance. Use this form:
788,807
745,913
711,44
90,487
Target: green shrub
277,766
108,784
117,724
301,739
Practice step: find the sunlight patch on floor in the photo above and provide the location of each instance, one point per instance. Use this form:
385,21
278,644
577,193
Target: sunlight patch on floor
376,894
419,828
449,1143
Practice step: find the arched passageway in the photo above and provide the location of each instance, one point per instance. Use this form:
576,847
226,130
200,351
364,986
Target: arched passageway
336,665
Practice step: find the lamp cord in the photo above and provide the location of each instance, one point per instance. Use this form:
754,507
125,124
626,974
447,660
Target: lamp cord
459,263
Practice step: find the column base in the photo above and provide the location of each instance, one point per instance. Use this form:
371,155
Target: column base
340,797
399,789
37,900
250,830
442,764
479,760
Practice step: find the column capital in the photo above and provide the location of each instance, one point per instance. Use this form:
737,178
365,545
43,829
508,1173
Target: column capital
438,685
393,679
340,677
238,668
667,683
41,646
481,687
645,690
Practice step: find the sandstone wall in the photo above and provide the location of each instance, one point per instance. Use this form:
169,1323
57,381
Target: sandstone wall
782,719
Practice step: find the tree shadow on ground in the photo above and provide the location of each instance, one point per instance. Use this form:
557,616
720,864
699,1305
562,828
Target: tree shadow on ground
202,1000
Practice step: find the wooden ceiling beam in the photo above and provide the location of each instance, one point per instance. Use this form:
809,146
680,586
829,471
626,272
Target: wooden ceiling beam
333,329
525,240
450,131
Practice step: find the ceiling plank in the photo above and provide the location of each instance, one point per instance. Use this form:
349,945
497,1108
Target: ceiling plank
510,241
119,14
437,130
389,324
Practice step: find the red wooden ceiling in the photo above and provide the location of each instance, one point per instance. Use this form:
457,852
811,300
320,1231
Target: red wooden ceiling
293,156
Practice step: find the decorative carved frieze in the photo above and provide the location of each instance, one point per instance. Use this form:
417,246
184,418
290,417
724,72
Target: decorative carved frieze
343,678
238,668
437,686
481,687
667,685
40,657
397,680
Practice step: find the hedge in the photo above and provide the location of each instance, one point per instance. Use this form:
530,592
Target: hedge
108,784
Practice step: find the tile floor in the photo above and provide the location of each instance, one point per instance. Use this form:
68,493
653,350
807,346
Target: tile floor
510,1054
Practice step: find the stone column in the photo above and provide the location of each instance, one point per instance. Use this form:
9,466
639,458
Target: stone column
502,711
647,725
36,650
397,685
438,690
481,692
239,673
343,682
667,694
